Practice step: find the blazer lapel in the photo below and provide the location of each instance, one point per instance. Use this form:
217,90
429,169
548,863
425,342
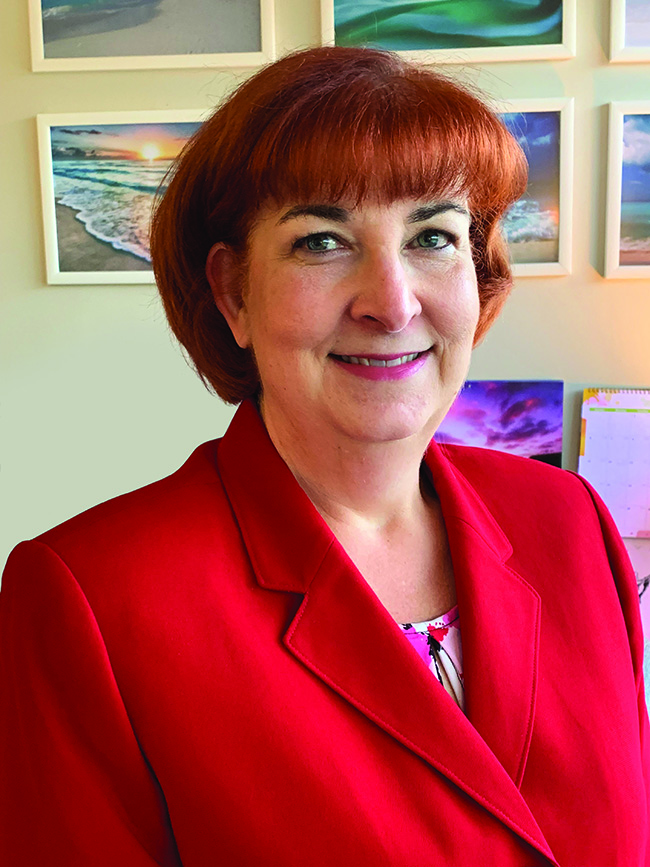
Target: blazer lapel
499,616
292,549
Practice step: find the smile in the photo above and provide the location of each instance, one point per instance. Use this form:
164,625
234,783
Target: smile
369,361
382,367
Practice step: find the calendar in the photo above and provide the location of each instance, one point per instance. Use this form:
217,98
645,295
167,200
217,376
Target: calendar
615,454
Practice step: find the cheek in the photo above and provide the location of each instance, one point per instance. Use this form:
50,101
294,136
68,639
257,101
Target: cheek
281,329
458,309
292,311
474,305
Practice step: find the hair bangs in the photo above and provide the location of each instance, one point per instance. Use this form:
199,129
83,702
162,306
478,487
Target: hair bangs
388,143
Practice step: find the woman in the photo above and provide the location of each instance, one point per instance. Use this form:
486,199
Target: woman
223,667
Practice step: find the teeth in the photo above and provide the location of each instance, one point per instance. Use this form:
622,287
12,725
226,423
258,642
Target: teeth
379,362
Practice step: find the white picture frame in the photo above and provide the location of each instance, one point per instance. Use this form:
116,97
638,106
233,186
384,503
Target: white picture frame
93,240
564,107
562,50
629,31
625,238
185,58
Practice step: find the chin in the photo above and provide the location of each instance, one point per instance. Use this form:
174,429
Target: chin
391,424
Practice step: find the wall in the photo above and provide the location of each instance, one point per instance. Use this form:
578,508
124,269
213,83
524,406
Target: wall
95,397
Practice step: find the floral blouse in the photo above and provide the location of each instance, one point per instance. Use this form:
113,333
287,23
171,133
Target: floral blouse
438,643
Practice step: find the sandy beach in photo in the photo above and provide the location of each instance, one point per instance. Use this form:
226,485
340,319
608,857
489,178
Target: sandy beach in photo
634,257
534,251
167,27
80,251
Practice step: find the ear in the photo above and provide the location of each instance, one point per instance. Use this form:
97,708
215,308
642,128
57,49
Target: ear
223,271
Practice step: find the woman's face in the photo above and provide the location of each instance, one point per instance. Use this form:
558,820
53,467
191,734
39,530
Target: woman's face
361,318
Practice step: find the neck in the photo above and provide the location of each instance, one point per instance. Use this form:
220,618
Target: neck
368,485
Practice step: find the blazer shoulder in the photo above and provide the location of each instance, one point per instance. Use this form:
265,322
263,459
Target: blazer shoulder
510,483
158,508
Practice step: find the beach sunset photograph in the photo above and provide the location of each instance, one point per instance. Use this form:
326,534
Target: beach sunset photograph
104,178
118,28
532,225
635,191
522,418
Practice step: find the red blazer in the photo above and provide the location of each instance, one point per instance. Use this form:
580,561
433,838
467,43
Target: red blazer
196,674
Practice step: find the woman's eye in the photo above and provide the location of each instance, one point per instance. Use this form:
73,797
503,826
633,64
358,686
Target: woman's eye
432,239
321,242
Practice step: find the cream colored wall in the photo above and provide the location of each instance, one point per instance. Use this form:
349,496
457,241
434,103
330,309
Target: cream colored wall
95,398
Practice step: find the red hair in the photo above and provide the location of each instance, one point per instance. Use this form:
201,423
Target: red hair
319,126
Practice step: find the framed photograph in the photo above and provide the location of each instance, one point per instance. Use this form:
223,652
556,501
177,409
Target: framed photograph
630,31
519,417
628,191
538,226
99,176
449,31
150,34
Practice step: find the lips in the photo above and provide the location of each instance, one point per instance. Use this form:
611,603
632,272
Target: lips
378,361
382,367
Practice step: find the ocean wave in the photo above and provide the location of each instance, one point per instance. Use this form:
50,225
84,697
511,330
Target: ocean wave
528,221
141,177
634,245
53,9
56,11
441,24
113,200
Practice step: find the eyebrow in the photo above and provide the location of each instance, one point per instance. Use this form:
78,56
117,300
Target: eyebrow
419,215
325,212
340,215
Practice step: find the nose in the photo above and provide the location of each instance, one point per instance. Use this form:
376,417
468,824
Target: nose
385,293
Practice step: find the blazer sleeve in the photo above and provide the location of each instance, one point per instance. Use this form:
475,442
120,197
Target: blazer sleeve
75,789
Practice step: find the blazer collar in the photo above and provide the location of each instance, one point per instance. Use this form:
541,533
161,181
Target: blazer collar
292,549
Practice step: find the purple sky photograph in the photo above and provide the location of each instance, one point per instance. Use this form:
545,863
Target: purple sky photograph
523,418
